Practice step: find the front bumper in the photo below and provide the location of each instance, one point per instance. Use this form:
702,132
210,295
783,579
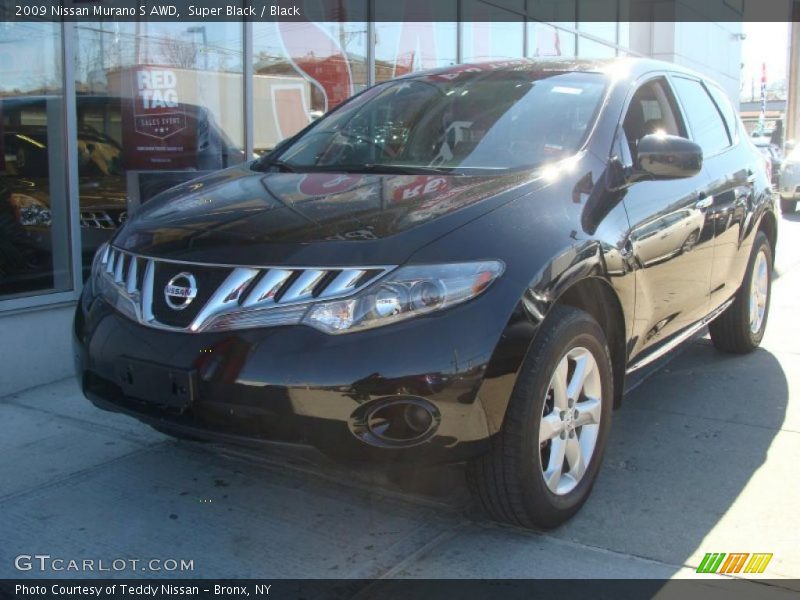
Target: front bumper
295,384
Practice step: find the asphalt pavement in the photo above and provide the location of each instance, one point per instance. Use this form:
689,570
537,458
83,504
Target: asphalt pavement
703,457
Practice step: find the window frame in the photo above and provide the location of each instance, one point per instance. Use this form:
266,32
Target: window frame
672,75
672,98
50,298
733,135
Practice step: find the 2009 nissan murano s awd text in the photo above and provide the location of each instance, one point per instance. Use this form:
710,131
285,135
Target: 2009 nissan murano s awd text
459,265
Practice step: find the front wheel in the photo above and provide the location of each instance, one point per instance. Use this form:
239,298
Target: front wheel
542,465
740,328
788,206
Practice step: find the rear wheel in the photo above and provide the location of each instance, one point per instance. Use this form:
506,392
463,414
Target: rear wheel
741,327
788,206
543,463
690,242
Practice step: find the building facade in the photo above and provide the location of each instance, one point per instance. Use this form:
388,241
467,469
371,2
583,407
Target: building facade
96,118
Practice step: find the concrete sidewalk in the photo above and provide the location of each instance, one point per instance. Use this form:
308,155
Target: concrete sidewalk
702,458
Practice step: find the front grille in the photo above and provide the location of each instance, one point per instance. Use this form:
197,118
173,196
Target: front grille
140,286
208,280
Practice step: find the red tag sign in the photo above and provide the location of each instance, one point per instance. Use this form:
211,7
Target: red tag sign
156,110
159,131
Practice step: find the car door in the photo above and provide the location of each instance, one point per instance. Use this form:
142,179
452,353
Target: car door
670,242
731,170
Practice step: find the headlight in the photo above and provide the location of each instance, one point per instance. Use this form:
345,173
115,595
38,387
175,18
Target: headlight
30,210
99,258
98,267
408,292
113,291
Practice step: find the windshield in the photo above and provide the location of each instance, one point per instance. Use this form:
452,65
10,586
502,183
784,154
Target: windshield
465,121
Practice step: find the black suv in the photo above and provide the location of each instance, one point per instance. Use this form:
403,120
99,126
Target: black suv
458,265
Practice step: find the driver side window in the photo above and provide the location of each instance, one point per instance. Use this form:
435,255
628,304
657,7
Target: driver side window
652,110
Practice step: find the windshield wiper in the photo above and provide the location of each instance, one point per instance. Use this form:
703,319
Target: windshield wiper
378,168
407,169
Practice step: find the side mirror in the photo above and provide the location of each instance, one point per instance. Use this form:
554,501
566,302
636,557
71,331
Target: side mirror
667,157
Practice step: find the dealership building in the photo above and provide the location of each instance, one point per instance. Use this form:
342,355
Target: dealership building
97,117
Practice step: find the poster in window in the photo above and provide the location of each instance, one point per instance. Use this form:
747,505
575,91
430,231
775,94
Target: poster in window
159,129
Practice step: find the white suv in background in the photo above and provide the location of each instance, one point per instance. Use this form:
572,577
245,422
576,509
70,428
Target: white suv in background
789,182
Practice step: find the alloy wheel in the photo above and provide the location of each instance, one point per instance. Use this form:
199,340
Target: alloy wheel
759,290
570,421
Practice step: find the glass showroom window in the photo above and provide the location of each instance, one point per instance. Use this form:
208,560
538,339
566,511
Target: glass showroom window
403,46
490,33
157,104
302,70
589,48
545,40
34,213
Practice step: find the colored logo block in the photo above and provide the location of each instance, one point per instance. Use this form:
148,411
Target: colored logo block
735,562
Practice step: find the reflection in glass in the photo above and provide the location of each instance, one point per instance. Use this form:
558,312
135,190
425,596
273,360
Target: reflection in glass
34,221
402,48
590,49
157,104
468,119
603,30
303,70
545,40
492,41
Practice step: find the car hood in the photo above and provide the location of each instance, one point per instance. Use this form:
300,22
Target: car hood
241,216
105,192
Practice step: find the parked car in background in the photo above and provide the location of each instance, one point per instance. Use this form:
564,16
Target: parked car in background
29,188
772,153
789,182
466,264
27,199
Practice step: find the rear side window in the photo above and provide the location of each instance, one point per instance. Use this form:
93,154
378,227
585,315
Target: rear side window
708,128
725,107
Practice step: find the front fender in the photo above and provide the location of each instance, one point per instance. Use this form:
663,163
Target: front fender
546,251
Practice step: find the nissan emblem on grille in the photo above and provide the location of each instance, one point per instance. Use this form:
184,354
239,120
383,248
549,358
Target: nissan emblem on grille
180,291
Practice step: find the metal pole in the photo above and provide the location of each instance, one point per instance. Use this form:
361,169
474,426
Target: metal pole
71,153
371,41
249,86
793,100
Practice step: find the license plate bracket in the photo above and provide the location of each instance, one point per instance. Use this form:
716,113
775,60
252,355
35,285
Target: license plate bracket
156,384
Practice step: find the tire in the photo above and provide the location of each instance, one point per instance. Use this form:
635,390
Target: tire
732,331
788,206
690,242
509,480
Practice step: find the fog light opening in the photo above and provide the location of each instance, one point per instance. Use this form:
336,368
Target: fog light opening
417,418
395,421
